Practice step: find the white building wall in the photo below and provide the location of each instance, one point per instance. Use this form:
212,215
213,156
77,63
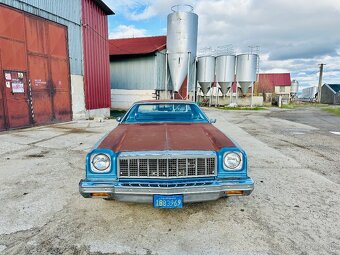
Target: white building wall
123,98
286,90
78,96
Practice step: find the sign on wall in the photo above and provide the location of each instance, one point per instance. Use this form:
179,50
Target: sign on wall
18,87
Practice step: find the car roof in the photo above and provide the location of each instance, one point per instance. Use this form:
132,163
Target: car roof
165,101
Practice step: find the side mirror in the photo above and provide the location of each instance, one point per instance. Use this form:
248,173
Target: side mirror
211,121
118,119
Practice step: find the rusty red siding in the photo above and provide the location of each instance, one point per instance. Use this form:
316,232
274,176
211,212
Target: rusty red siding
96,56
34,70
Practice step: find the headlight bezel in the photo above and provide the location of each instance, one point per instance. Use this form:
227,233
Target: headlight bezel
237,168
94,169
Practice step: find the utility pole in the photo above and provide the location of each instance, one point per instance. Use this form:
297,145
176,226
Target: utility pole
320,82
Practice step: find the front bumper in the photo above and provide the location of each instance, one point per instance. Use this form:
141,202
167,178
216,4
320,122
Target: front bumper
140,192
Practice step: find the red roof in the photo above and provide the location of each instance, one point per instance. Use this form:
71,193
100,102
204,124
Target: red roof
137,46
275,79
270,80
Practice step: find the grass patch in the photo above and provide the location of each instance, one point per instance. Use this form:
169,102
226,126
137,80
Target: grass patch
267,104
332,109
256,108
116,113
298,104
292,106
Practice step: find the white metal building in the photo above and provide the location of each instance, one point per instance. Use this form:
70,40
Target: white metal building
137,69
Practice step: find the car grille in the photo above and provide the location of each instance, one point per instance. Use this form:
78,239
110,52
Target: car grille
167,185
167,167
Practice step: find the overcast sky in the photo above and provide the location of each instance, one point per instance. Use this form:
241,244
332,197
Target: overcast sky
294,35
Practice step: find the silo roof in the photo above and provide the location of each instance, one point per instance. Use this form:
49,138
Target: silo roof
335,87
137,46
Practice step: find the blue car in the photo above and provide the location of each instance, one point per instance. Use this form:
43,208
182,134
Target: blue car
166,153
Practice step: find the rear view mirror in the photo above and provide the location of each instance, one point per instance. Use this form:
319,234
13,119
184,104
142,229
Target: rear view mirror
118,119
212,121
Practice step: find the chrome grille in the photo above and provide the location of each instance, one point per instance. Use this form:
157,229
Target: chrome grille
166,185
166,166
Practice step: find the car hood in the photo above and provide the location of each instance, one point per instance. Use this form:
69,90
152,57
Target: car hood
165,136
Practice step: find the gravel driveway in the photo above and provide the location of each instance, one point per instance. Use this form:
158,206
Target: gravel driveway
294,208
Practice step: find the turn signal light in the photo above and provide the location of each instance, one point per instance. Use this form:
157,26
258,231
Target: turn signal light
100,194
234,192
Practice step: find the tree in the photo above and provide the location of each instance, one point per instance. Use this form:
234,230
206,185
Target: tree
264,85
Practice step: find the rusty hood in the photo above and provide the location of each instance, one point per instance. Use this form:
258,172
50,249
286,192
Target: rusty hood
165,136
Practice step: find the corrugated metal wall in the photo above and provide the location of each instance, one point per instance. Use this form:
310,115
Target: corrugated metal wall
329,96
160,73
136,72
96,56
64,12
145,72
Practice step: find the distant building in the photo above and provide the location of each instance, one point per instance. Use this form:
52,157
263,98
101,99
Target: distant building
330,94
309,93
137,69
269,83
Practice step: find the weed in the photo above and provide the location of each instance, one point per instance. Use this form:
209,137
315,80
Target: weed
256,108
332,109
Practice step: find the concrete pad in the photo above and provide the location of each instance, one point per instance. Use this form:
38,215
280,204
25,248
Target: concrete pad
293,209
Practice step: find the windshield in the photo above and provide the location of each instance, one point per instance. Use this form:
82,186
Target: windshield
165,112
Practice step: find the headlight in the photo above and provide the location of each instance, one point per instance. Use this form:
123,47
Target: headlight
101,163
232,161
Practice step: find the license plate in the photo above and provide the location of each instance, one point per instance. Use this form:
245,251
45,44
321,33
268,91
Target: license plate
173,201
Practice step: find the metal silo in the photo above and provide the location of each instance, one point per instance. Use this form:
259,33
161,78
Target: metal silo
225,71
181,43
246,68
294,88
205,72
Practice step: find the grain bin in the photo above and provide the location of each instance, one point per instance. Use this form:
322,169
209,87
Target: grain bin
246,68
181,43
225,71
205,72
294,88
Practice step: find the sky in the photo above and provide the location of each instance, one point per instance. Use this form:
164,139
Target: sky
294,35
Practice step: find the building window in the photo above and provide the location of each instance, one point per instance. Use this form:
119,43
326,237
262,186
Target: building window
282,88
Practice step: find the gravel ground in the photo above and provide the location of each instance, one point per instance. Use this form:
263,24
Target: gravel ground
294,208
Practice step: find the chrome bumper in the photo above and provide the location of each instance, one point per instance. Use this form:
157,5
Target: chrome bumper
143,193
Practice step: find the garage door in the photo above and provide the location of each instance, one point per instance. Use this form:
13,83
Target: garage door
37,51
